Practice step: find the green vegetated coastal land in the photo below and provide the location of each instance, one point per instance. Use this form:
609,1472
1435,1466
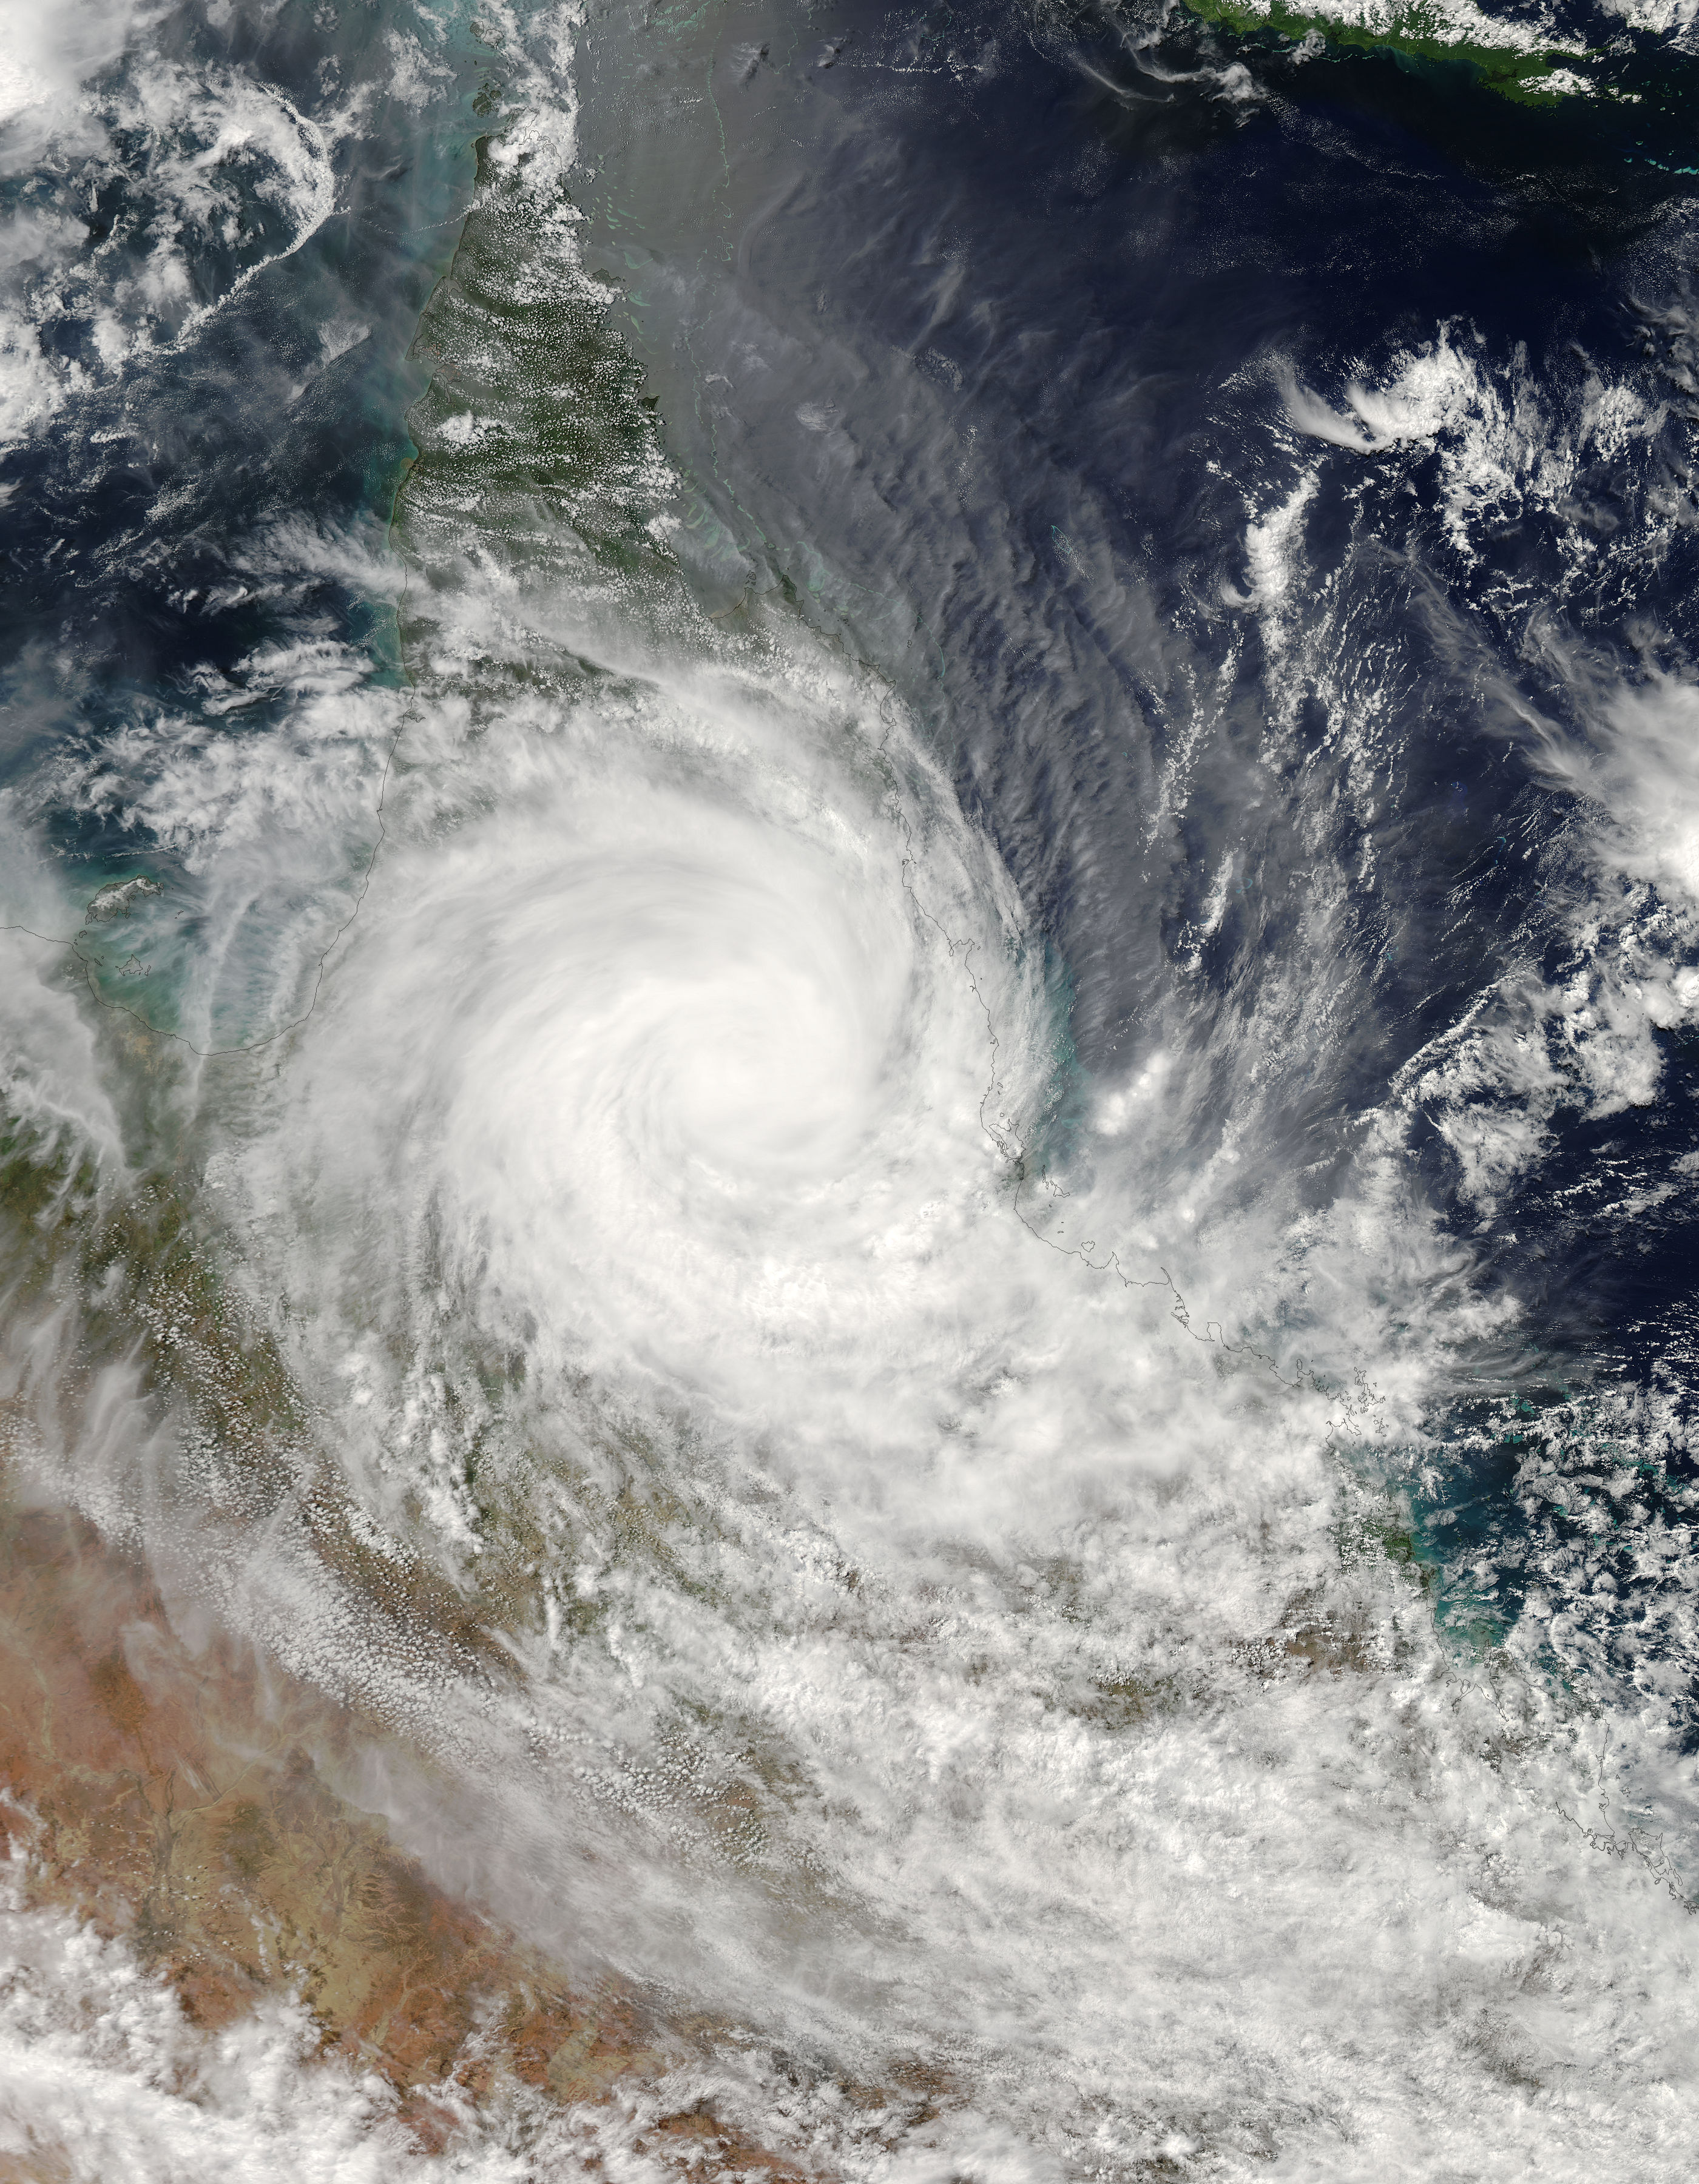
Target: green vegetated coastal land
1513,63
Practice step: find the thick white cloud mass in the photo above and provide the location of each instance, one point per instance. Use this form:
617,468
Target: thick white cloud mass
947,1496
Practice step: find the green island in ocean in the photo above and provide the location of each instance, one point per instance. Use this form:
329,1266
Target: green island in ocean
1507,57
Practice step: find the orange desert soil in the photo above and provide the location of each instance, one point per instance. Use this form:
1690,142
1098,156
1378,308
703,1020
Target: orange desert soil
170,1796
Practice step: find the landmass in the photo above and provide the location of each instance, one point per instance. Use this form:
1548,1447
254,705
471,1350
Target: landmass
1508,57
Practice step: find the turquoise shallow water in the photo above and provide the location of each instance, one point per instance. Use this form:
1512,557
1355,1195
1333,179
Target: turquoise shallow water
898,825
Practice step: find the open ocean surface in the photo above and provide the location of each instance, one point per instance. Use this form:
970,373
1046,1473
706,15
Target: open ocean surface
881,827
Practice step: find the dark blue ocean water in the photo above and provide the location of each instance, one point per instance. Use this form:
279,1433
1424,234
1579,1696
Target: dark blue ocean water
962,328
227,410
972,334
1268,483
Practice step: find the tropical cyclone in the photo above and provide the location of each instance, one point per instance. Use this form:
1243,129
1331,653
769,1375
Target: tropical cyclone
589,1439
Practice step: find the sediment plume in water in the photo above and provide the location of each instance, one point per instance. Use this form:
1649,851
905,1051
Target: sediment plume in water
802,1168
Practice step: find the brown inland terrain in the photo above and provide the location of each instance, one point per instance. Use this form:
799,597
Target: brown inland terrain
169,1797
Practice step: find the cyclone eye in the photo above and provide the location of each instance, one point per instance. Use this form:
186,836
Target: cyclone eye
680,1069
